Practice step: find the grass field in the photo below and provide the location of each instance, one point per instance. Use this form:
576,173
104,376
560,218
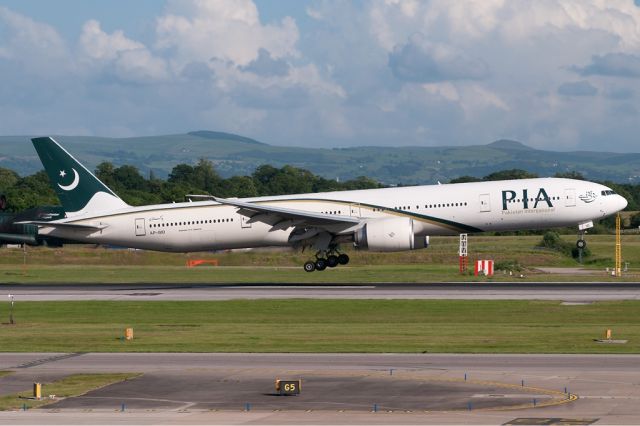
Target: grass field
323,326
74,385
410,273
437,263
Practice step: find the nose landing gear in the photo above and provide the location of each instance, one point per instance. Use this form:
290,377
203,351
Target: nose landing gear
332,259
581,244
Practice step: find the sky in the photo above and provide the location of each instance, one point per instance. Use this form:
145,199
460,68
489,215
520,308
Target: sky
553,74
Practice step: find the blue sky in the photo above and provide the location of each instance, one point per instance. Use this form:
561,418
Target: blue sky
554,74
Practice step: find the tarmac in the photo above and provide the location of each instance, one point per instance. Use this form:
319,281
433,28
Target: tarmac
569,292
336,388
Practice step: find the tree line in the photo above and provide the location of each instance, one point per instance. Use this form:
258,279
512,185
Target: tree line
34,190
135,189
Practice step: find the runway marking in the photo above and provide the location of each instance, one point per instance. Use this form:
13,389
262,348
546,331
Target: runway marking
48,360
566,397
511,395
142,294
550,421
127,398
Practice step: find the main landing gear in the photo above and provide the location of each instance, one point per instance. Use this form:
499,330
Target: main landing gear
332,259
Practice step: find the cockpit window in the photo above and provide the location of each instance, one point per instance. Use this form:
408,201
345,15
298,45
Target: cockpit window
607,192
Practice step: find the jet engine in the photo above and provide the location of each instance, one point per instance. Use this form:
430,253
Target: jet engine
392,234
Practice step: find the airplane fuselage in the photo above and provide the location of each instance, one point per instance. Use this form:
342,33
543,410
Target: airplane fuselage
448,209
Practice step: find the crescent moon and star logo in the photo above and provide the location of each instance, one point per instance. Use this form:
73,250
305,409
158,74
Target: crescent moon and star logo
588,197
72,186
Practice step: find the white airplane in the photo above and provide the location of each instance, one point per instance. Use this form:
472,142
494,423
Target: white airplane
388,219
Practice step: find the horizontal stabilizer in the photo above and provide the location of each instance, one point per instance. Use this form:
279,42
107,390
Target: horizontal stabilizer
18,239
62,225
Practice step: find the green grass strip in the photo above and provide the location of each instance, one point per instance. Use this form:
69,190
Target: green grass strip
410,326
75,385
87,264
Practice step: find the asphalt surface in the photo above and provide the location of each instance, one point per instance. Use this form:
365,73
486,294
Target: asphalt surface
570,292
337,388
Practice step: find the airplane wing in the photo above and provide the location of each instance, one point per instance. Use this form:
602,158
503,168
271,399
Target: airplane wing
63,225
302,217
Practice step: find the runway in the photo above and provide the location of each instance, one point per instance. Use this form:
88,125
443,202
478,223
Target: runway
337,388
569,292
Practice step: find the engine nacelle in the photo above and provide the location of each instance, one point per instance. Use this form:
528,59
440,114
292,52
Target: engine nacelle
393,234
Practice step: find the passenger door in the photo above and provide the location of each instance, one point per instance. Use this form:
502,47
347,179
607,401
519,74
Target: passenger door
485,203
570,197
140,228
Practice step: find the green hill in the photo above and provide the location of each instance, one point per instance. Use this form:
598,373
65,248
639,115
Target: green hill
237,155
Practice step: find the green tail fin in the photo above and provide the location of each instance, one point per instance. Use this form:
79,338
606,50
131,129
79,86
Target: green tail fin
80,192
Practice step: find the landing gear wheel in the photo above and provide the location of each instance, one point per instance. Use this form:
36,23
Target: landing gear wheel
343,259
309,266
321,264
332,261
581,244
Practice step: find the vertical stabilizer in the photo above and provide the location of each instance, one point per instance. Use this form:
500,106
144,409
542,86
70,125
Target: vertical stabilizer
80,192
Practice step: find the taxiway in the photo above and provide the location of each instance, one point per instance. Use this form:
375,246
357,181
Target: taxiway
337,388
570,292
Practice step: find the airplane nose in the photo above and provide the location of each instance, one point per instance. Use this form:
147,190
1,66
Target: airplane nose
623,202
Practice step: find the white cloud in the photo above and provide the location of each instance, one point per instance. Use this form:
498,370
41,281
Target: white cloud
515,20
31,44
97,44
140,65
477,97
530,49
230,30
445,90
617,18
131,60
577,88
421,61
375,72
